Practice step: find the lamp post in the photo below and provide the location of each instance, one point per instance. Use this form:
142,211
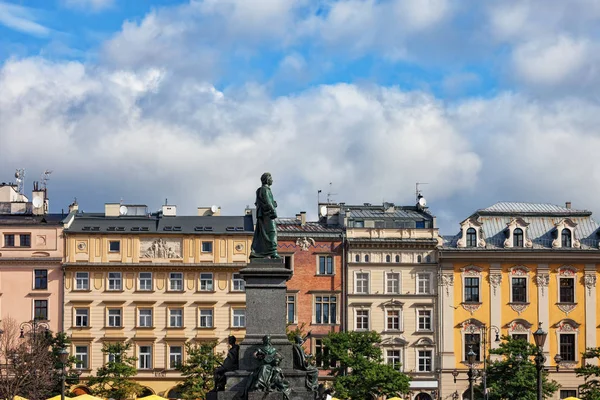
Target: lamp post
471,361
63,355
33,326
539,337
484,330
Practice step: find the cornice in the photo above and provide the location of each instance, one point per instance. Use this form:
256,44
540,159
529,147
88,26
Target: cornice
530,255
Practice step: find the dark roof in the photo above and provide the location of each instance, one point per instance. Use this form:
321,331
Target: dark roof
292,226
385,211
29,219
520,208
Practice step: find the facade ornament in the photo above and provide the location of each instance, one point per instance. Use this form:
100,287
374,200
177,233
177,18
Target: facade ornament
566,307
518,307
471,307
304,243
447,281
160,248
495,280
542,281
590,282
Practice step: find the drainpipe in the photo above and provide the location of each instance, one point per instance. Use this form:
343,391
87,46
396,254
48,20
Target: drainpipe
345,280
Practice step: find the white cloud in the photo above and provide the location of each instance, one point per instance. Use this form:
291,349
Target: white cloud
89,5
22,19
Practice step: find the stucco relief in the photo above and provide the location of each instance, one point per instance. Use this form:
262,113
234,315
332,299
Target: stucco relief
160,248
447,281
304,243
519,307
471,307
495,281
566,308
590,282
542,281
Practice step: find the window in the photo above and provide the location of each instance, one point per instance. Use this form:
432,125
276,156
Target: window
291,308
519,290
567,346
239,318
518,237
176,281
397,259
114,281
423,283
567,290
419,259
114,317
206,282
392,282
520,336
114,246
471,237
325,265
359,224
425,358
82,281
362,283
424,320
145,357
145,281
367,258
206,318
393,359
288,261
239,285
362,320
357,258
175,318
9,240
393,320
472,290
322,355
388,258
568,393
325,309
82,317
41,279
40,309
472,342
566,237
207,247
81,355
175,356
25,240
145,318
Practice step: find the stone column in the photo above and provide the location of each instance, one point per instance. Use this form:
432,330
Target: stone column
495,279
447,307
590,308
543,279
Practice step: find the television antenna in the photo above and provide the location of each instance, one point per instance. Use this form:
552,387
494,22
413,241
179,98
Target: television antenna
20,177
418,194
46,178
330,193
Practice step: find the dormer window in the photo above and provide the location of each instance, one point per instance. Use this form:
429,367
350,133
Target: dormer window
566,238
518,237
471,237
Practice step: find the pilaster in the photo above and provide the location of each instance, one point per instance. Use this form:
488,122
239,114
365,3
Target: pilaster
542,280
495,279
447,306
590,309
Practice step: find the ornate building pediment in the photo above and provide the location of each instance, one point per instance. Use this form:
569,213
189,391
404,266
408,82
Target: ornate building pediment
565,223
514,224
567,325
465,226
519,325
394,341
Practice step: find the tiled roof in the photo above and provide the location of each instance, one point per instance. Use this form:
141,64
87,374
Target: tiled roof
380,213
293,225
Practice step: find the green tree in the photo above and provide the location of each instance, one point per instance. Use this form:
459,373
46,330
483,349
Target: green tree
297,331
113,379
590,390
57,343
360,372
198,369
514,377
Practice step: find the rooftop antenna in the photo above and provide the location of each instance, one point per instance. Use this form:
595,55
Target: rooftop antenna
319,196
329,194
166,202
20,177
418,194
46,178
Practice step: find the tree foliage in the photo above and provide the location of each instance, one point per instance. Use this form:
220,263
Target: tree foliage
590,390
514,377
297,331
198,369
360,371
57,343
113,379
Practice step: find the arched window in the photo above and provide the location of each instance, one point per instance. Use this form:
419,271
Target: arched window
388,258
566,237
397,259
471,237
367,258
357,258
518,237
419,259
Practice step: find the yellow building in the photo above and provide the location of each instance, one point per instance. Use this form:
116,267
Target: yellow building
157,281
512,266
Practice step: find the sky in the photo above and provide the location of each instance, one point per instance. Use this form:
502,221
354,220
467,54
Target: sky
142,101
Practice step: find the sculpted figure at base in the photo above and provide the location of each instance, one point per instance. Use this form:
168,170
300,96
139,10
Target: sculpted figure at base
231,363
268,376
264,243
302,361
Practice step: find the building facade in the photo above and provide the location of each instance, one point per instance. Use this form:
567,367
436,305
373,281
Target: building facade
156,281
511,267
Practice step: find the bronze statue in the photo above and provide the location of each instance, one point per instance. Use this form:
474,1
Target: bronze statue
264,243
268,376
302,361
231,363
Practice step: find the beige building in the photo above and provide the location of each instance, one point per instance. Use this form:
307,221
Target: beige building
157,281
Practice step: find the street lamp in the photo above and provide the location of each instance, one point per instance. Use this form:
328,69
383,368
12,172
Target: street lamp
471,361
539,337
33,326
63,355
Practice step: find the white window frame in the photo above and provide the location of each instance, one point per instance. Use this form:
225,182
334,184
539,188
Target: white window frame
519,272
115,282
237,283
400,357
568,327
387,319
176,355
176,315
368,283
326,257
81,282
207,284
294,301
239,320
567,272
145,281
145,317
206,317
388,280
173,280
202,246
471,271
145,358
429,284
78,319
329,302
430,358
110,242
82,356
110,319
368,317
418,326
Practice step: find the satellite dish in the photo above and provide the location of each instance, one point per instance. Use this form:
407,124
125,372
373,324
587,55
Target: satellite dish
37,202
323,211
422,202
122,210
214,209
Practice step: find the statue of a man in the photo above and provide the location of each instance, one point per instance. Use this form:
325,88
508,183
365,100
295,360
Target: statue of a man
302,362
262,378
231,363
264,243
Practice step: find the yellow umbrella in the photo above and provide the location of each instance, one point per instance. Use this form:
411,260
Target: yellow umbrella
152,397
395,398
572,398
57,397
19,398
87,397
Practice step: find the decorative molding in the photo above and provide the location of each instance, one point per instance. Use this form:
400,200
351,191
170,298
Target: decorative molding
160,248
542,281
566,223
519,326
471,307
567,326
304,243
519,307
590,282
566,307
466,225
495,281
471,270
447,281
567,365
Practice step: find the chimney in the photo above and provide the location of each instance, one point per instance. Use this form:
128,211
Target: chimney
568,205
303,218
111,209
169,211
73,207
298,217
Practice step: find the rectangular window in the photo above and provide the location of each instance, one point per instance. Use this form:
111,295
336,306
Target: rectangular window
325,265
362,320
423,283
519,336
425,358
424,322
175,318
176,281
566,393
206,282
82,281
393,320
322,355
25,240
114,317
145,281
175,356
81,355
472,290
114,281
288,261
40,309
145,318
567,290
206,318
41,279
473,341
291,308
207,247
519,290
362,283
145,357
567,346
114,246
238,284
239,318
9,240
325,309
393,282
393,359
82,317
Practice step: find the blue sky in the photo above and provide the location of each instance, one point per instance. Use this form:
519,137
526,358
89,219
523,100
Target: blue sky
192,100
